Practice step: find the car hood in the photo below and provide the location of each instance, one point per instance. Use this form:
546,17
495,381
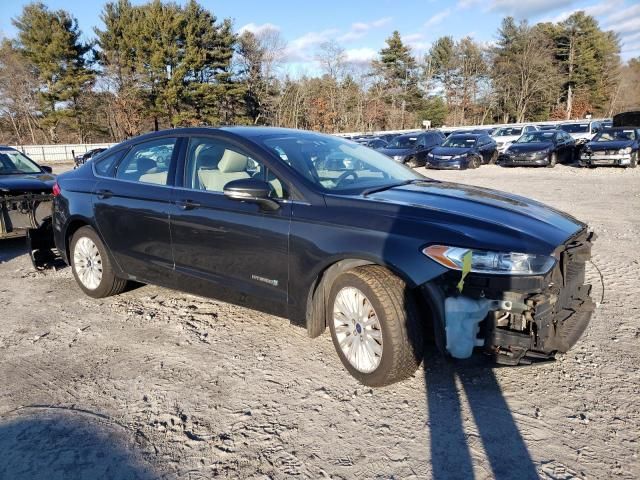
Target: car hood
27,183
450,151
612,145
475,217
530,147
392,152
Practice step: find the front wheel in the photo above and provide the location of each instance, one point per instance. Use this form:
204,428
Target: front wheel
91,265
494,158
374,326
474,163
634,160
553,160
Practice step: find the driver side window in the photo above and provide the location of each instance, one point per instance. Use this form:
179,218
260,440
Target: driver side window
211,163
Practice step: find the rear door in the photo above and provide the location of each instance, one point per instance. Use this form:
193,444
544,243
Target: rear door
131,207
224,248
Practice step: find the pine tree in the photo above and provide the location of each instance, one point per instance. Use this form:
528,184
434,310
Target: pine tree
50,41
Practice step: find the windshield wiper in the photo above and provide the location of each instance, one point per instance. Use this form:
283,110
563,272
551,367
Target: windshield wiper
382,188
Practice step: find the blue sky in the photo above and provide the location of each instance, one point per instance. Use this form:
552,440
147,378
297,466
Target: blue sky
361,26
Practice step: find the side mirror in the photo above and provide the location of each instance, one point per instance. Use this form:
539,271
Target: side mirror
251,190
46,168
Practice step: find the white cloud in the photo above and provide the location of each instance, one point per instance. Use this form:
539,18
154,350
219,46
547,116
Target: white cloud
438,18
360,29
360,55
597,10
299,49
527,8
258,29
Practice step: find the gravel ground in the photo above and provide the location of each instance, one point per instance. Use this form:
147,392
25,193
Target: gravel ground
159,384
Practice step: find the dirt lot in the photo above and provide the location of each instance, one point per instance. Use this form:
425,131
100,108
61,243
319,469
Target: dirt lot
158,384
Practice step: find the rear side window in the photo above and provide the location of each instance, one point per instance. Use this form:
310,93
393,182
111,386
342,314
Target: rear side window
104,165
148,162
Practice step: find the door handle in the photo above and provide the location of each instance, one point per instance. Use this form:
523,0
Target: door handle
102,194
187,204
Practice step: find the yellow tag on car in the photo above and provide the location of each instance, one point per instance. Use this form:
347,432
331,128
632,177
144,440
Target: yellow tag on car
466,268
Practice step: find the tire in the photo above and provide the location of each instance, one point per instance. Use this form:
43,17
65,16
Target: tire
553,160
634,160
87,260
474,163
395,321
494,158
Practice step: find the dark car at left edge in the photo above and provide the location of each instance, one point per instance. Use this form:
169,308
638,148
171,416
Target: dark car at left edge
412,148
382,256
544,148
462,151
26,194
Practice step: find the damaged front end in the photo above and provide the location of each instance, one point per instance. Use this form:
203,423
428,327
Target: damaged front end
29,214
515,319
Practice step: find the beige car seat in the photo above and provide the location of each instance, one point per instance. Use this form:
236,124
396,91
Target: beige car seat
232,166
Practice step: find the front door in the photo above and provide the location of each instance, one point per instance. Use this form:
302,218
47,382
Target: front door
132,210
224,248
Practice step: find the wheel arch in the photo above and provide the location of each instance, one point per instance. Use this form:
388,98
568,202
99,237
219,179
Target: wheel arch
318,293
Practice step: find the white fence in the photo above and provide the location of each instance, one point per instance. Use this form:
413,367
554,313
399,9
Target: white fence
47,154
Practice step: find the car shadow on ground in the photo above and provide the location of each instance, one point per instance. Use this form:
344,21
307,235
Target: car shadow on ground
11,248
52,444
454,448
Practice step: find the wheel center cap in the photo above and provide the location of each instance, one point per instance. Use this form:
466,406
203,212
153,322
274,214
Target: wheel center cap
358,328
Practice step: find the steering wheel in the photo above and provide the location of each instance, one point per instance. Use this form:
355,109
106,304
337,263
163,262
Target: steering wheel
345,175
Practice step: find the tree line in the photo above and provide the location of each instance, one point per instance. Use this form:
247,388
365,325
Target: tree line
159,65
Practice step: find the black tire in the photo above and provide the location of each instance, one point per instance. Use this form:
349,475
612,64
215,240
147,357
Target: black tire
634,160
494,158
109,284
553,160
395,308
474,163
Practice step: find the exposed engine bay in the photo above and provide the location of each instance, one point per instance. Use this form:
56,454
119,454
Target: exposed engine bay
517,320
29,214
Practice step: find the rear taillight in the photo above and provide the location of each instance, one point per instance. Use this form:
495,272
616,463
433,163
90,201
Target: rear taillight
56,189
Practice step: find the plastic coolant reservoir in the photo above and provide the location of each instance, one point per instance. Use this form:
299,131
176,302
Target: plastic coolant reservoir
462,316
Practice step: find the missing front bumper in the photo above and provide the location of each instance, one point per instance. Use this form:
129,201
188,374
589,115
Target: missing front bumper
529,318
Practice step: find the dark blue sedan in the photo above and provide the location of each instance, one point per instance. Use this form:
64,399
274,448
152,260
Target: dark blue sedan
463,150
328,233
614,147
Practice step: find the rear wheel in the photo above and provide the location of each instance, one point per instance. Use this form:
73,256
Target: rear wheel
91,265
374,326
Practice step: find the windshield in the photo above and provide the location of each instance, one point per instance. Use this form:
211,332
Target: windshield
460,141
575,127
507,131
403,142
536,137
336,165
615,135
13,162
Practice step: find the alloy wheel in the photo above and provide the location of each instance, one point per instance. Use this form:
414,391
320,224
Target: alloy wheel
357,329
87,263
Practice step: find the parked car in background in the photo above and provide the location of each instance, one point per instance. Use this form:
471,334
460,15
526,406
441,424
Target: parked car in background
541,148
376,143
379,254
581,132
26,192
547,127
612,146
505,136
412,148
460,151
83,158
387,137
